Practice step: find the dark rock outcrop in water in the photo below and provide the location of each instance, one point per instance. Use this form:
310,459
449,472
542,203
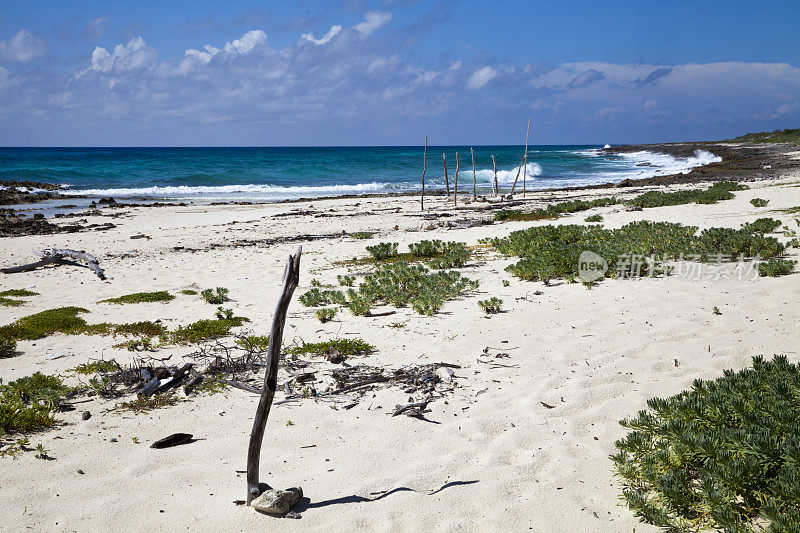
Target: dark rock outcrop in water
740,162
32,192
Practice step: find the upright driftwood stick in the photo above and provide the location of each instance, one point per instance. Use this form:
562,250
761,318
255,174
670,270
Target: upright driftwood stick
494,164
455,185
446,181
524,158
424,169
291,276
474,179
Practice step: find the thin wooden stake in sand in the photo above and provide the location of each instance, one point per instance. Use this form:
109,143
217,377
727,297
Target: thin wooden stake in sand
455,185
474,180
446,181
424,169
291,277
494,164
524,159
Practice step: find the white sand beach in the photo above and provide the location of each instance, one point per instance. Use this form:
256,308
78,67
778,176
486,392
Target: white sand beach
489,457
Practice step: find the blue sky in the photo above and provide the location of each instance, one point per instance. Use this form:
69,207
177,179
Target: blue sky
355,72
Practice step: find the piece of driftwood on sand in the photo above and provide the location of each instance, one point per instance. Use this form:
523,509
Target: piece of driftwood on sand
62,256
291,277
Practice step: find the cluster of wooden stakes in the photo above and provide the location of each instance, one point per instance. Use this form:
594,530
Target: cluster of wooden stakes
495,186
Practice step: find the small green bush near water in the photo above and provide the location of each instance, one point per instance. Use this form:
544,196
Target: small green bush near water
553,210
140,297
202,330
215,296
759,202
722,456
776,267
346,347
29,403
719,191
383,250
491,306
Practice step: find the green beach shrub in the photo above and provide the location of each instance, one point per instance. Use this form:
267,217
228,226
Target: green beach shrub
361,234
316,297
202,330
29,403
8,347
383,250
552,252
761,225
553,210
215,296
452,255
491,306
345,280
140,297
253,343
189,292
326,314
759,202
593,218
776,267
96,367
8,298
44,323
722,456
358,305
722,190
345,347
426,248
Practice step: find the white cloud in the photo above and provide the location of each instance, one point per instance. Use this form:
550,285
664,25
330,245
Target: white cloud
238,47
481,77
135,55
335,29
22,47
372,22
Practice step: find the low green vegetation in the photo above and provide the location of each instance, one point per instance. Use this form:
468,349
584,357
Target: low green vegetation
759,202
189,292
345,347
361,234
384,250
142,404
29,403
145,328
96,367
215,296
326,314
44,323
552,252
553,210
776,267
202,330
491,306
761,225
723,456
140,297
345,280
593,218
777,136
8,298
400,284
253,343
8,347
722,190
316,297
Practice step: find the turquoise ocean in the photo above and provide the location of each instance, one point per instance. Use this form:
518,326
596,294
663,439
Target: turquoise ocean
274,174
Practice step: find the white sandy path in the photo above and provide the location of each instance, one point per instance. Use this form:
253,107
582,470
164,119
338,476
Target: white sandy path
500,460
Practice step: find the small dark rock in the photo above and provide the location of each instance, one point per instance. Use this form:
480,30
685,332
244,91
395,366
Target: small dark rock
86,415
172,440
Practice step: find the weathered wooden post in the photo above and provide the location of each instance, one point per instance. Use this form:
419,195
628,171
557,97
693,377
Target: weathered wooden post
474,179
424,169
455,185
291,277
446,181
